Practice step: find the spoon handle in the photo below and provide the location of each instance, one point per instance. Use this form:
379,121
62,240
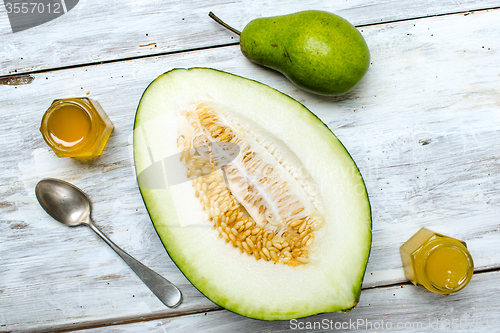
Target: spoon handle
169,294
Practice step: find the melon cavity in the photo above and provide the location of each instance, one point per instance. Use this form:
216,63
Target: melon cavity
254,202
271,219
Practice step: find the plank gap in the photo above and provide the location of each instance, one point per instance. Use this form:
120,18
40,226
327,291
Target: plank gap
428,16
123,320
163,315
89,64
221,45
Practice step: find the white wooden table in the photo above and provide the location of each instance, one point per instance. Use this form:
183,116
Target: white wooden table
423,127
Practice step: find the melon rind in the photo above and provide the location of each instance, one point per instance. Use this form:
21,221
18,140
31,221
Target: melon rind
332,279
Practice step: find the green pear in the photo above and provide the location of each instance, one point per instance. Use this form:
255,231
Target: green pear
318,51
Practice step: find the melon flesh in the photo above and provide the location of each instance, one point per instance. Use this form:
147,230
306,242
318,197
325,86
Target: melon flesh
331,278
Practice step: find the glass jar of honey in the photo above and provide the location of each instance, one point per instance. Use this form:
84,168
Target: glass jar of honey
76,127
436,262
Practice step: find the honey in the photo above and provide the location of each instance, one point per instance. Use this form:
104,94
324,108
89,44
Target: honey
69,126
437,262
76,127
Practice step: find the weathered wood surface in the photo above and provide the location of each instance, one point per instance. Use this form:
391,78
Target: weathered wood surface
422,127
97,31
401,308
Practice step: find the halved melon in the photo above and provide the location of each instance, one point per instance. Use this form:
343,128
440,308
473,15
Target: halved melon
280,228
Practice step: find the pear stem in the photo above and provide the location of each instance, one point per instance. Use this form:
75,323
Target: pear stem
218,20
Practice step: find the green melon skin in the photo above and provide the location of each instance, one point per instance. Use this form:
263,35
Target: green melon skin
331,281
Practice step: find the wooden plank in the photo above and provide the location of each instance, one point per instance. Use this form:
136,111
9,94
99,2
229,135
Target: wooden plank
422,127
97,31
402,308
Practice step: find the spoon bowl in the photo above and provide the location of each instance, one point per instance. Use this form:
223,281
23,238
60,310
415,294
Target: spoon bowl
63,201
69,205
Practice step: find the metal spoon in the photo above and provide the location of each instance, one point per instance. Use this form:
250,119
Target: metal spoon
69,205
